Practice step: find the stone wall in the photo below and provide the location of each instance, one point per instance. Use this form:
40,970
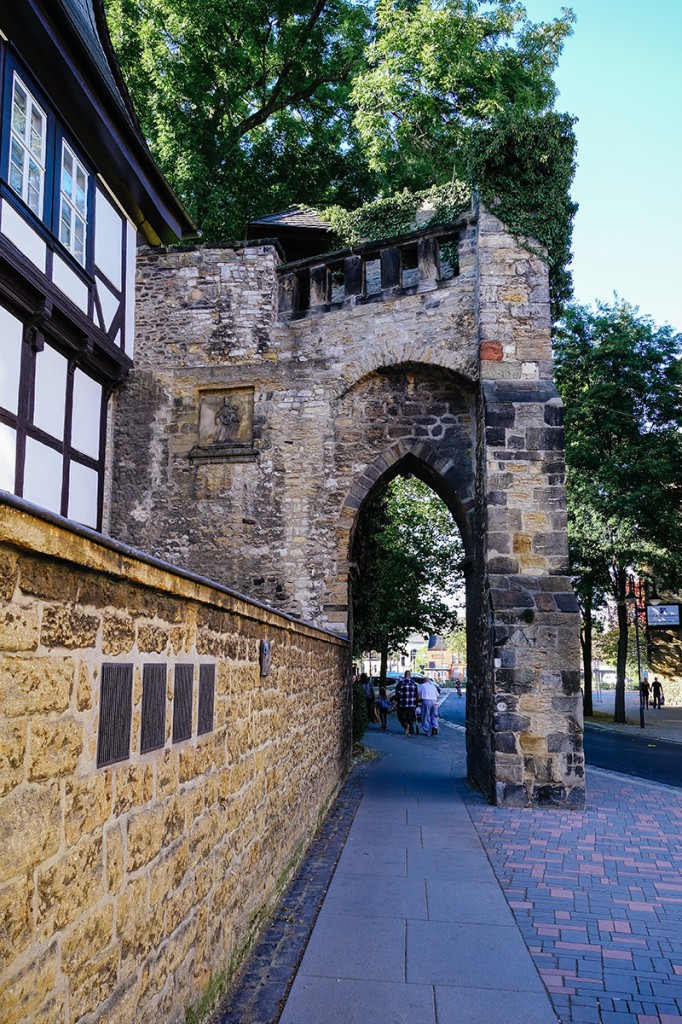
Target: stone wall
126,890
251,432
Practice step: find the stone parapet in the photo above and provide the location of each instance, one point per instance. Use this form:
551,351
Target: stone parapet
131,889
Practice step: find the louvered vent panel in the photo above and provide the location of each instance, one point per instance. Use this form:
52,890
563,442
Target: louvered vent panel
115,713
153,731
182,702
206,697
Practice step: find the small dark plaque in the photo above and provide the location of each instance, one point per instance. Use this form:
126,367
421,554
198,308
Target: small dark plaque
153,729
115,714
206,698
182,702
265,657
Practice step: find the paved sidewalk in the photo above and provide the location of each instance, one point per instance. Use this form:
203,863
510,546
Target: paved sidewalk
444,910
659,723
415,926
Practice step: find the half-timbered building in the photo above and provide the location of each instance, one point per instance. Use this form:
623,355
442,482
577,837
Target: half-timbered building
78,189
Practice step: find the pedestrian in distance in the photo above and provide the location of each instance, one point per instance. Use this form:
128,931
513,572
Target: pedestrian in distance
657,691
428,691
384,706
645,692
406,697
368,691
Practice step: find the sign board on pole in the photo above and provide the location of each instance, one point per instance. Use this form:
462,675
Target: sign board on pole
663,615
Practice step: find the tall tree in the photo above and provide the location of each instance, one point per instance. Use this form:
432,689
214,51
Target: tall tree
245,103
620,377
408,553
251,107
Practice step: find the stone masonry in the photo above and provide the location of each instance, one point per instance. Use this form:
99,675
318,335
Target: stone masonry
268,401
130,892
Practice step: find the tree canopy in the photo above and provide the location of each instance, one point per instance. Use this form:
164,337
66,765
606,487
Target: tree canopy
256,106
408,553
620,376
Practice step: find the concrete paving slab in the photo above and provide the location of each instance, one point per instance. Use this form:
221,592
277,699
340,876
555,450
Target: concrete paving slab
470,956
362,860
377,895
434,864
467,901
316,1001
355,946
483,1006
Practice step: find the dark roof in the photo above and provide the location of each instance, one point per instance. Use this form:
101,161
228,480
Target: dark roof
67,47
298,217
300,231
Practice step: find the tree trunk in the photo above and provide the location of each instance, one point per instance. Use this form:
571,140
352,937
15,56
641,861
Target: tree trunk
384,664
622,609
586,643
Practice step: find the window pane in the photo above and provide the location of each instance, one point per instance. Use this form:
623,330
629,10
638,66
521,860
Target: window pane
43,476
87,404
65,225
19,111
50,392
35,184
37,130
10,360
8,449
83,495
16,171
81,190
79,240
67,173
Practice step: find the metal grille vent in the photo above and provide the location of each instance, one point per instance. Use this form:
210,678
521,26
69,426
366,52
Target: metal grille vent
182,702
153,731
206,697
115,714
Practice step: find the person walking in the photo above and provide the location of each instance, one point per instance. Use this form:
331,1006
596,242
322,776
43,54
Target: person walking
645,692
406,696
657,690
368,691
383,704
428,691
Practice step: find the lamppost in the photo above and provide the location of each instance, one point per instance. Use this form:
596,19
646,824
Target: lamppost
631,599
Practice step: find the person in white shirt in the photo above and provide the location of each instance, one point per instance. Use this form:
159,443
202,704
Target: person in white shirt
428,691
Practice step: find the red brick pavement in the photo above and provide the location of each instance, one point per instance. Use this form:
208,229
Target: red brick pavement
598,897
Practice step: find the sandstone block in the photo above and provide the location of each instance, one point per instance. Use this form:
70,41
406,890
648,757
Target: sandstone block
118,635
113,858
92,983
88,804
151,639
16,914
48,580
146,831
70,886
86,939
168,872
12,753
19,629
8,575
30,818
67,627
24,993
55,748
133,787
121,1006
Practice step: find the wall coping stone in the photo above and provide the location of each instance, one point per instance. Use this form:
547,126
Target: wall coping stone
32,528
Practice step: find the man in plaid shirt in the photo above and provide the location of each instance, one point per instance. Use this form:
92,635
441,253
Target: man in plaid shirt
406,697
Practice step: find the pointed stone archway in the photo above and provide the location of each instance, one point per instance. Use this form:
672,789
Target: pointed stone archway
342,370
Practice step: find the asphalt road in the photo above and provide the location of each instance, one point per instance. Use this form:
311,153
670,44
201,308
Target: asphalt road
638,755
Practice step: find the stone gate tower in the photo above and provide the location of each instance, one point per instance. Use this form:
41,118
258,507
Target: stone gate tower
270,399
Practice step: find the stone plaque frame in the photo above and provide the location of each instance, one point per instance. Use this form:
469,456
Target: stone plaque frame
225,426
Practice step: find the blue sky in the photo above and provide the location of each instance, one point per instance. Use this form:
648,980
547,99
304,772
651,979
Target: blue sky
621,75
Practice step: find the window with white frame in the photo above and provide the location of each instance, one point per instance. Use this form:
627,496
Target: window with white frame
27,147
73,204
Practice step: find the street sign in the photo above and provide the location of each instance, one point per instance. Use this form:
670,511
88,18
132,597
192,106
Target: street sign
663,615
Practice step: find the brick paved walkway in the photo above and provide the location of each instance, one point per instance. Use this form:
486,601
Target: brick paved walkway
598,898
